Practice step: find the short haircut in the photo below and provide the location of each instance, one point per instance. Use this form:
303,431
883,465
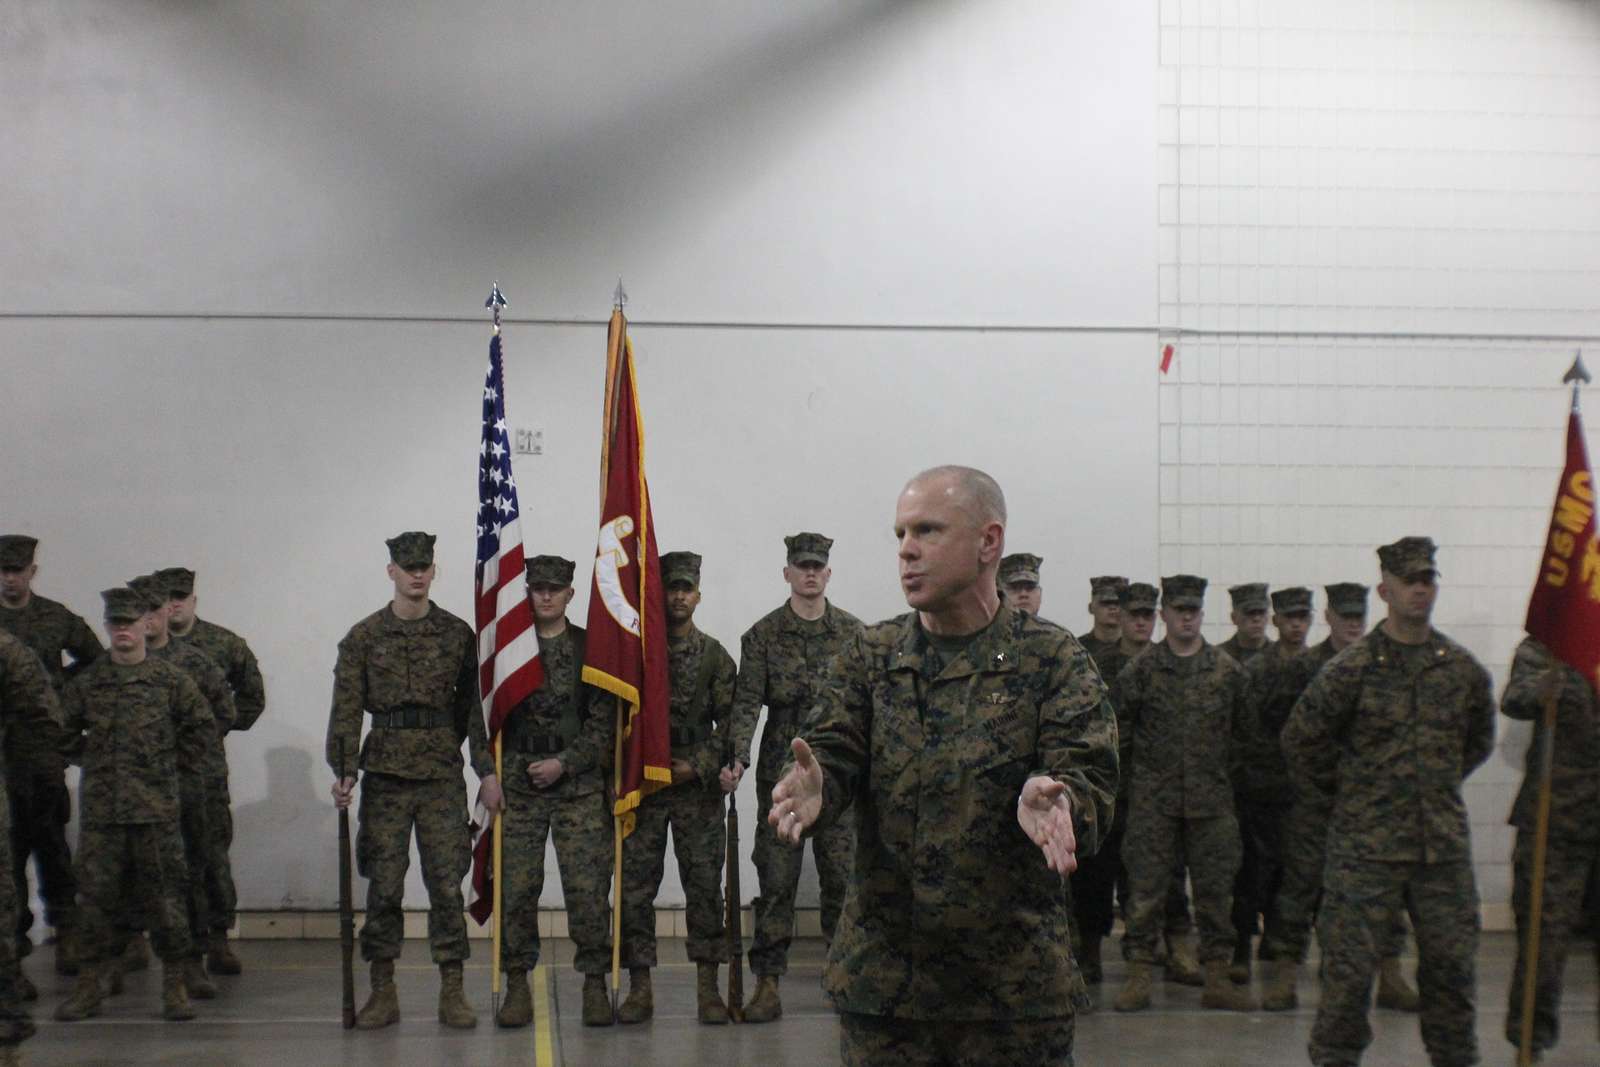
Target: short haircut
981,494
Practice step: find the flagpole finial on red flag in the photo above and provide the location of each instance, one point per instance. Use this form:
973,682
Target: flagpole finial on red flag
1578,375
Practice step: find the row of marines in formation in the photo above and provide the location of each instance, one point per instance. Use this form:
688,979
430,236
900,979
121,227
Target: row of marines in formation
146,722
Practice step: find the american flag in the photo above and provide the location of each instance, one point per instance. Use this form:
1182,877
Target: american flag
508,647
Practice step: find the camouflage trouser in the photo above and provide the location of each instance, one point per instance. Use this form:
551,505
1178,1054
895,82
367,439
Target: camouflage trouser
16,1025
1358,909
1176,920
581,826
778,871
699,838
134,874
1255,888
197,859
1572,869
221,899
1287,933
877,1040
390,808
1209,847
41,807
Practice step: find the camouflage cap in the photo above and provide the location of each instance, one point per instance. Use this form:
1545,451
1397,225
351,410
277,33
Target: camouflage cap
1183,591
1107,589
1139,596
550,570
412,549
680,567
1409,557
806,547
123,604
1251,596
151,589
1292,601
1347,598
179,581
1020,567
16,550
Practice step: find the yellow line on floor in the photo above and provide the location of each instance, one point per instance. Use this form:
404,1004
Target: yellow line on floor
544,1052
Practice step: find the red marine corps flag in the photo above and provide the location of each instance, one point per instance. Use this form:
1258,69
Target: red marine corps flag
626,652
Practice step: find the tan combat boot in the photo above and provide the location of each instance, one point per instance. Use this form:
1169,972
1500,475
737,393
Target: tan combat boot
1135,992
383,1006
454,1011
1221,994
221,959
708,1001
85,999
764,1005
1182,966
517,1009
596,1001
136,957
1394,992
1280,992
640,1003
196,981
175,1006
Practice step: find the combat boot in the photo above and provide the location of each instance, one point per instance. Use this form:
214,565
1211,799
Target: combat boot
136,957
221,959
1089,962
1394,992
454,1011
517,1009
764,1005
1280,992
196,980
175,1006
1135,992
596,1001
708,1001
25,987
383,1006
85,999
640,1003
66,952
1239,968
1220,994
1182,966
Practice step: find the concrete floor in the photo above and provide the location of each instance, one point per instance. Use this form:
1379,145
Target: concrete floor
284,1012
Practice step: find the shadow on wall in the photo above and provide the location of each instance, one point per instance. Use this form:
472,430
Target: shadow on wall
297,811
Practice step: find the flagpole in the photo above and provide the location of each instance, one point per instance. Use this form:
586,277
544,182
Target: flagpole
616,875
496,301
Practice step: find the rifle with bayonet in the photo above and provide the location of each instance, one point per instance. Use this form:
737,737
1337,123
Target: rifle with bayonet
730,896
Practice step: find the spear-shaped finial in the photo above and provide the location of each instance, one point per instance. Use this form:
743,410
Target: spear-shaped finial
620,297
1578,375
496,301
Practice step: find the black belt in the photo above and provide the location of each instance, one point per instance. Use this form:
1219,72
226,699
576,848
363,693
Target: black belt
414,718
540,744
680,736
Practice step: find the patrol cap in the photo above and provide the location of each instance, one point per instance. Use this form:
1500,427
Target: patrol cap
1183,591
1251,596
178,580
1409,557
16,550
550,570
807,547
1347,598
1139,596
1107,589
123,604
1293,601
411,549
152,589
680,568
1020,567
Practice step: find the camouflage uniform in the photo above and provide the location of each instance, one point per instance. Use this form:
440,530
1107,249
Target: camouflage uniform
1572,855
28,704
783,660
417,679
953,918
41,806
1386,733
560,720
703,678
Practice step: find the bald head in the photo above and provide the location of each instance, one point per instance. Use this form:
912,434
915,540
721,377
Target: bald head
951,525
970,489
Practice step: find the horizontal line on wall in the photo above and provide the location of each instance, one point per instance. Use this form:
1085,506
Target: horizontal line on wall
1378,335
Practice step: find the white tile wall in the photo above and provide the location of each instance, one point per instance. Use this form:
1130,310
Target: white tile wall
1378,249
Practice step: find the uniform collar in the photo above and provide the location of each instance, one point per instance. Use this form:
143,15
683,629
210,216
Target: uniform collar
994,648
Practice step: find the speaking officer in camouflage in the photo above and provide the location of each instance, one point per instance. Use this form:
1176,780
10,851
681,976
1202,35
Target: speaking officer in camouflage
1181,711
1249,617
1019,582
703,676
557,745
412,667
1387,732
783,661
27,703
1572,856
239,666
134,723
976,747
36,784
